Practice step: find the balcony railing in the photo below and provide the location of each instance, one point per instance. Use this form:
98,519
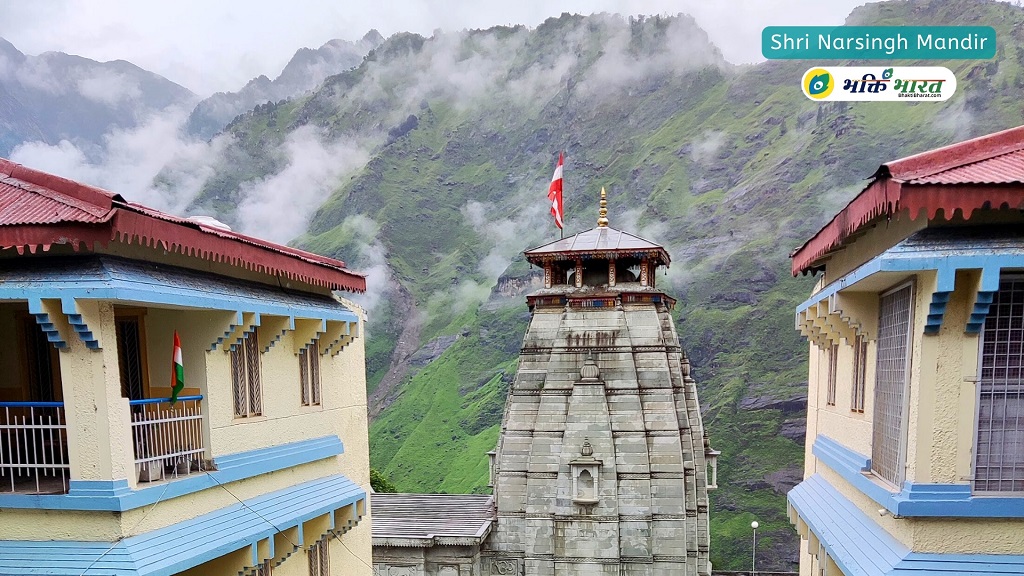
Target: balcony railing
33,448
168,438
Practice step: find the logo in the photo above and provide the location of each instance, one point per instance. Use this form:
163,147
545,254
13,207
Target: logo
880,84
818,83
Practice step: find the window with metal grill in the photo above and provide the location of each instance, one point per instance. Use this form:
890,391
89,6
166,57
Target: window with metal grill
245,376
319,559
892,370
830,392
309,373
265,569
131,356
860,369
999,461
43,364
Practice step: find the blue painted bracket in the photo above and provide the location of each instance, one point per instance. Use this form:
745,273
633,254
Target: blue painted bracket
35,308
227,333
248,327
983,300
945,278
280,325
78,324
909,258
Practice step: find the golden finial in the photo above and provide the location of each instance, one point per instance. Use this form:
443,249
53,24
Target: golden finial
602,220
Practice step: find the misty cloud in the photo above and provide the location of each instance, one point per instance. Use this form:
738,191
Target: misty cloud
279,206
52,74
219,49
369,258
641,49
706,149
153,164
108,87
35,73
507,237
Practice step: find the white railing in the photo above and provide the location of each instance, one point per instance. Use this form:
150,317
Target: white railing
168,438
33,448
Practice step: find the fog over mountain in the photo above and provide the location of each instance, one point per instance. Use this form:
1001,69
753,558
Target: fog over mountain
305,71
58,97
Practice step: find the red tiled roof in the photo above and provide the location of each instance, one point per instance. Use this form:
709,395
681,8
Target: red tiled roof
38,210
984,172
1005,169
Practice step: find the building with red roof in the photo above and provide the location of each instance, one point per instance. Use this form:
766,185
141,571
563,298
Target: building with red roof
914,458
109,464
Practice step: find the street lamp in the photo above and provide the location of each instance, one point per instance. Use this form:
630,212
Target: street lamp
753,548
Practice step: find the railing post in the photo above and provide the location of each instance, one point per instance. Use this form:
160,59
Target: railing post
33,451
168,439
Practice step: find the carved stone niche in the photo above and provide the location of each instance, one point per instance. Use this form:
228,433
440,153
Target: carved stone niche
586,472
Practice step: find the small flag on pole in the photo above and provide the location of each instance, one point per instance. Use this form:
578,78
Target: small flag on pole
555,193
178,371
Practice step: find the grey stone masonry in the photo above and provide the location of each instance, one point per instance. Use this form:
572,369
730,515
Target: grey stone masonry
601,465
645,511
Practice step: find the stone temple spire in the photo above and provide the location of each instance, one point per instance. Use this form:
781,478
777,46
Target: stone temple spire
602,467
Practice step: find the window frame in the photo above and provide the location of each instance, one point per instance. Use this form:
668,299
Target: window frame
1015,276
310,390
833,369
899,473
136,316
858,391
246,363
319,557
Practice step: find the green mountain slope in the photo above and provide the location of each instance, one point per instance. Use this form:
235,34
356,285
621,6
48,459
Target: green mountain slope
730,168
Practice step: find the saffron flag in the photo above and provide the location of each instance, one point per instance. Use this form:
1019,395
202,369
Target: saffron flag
555,193
177,371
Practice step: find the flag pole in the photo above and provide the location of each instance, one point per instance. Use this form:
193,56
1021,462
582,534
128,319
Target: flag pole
561,231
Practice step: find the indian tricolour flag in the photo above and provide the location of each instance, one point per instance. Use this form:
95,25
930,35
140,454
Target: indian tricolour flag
177,371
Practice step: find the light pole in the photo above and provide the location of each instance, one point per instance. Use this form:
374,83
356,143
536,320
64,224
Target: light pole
753,549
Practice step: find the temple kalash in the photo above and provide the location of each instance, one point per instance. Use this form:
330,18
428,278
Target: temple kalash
603,466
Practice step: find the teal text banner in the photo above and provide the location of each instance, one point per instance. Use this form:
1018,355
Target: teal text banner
878,42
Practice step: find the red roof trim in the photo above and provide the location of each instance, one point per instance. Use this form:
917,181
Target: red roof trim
906,184
886,197
91,216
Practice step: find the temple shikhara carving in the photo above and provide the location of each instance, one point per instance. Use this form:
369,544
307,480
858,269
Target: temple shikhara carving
602,466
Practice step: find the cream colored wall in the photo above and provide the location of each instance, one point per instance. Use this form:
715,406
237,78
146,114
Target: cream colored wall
160,325
347,557
342,410
99,425
946,383
941,422
920,390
